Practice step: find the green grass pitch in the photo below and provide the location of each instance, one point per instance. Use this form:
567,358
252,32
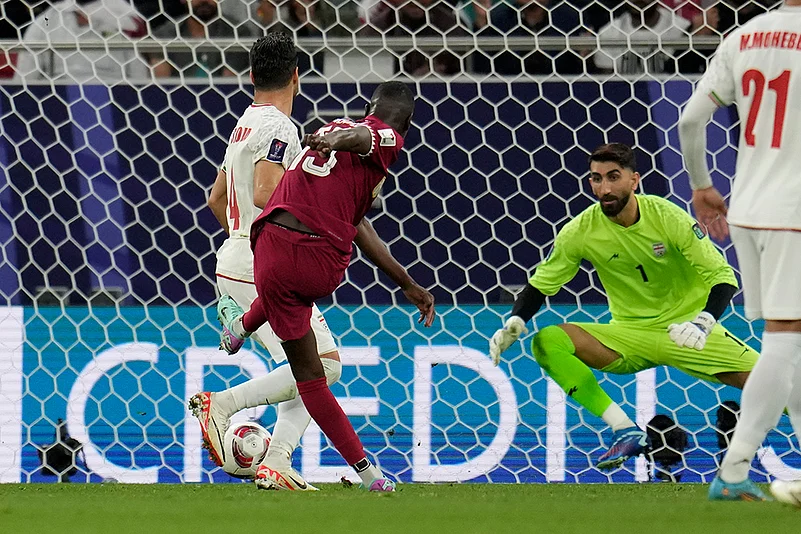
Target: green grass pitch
415,508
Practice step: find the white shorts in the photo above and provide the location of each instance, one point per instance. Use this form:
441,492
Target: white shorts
770,266
244,294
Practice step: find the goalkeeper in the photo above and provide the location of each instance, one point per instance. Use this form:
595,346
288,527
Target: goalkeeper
667,287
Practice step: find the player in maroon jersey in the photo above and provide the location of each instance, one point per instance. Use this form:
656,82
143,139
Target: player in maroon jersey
302,244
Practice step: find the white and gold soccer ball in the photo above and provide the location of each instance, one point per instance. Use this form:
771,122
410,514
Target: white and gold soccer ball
245,447
788,492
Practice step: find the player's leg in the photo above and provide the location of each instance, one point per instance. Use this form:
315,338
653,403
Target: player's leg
293,270
328,414
567,352
276,470
277,386
214,410
769,264
794,404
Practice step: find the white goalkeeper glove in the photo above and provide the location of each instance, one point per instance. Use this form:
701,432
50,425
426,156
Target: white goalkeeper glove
503,338
693,333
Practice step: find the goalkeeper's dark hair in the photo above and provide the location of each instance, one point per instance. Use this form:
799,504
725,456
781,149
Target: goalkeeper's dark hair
273,60
618,153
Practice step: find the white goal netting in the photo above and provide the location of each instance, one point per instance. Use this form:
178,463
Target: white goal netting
114,118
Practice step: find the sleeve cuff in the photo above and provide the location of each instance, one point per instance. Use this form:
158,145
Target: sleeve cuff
372,140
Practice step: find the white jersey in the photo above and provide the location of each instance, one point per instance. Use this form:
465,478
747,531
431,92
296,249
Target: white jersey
262,133
758,66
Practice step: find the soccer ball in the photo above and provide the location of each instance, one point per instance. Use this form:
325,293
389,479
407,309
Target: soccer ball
245,447
786,491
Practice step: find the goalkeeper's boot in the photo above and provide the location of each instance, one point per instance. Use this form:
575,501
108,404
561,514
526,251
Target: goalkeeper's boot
626,443
271,476
741,491
228,312
213,424
381,485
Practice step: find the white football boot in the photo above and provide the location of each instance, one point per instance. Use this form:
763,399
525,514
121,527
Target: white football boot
213,424
786,491
272,476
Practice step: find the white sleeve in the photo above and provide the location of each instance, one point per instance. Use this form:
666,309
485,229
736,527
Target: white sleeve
718,81
692,137
277,142
716,89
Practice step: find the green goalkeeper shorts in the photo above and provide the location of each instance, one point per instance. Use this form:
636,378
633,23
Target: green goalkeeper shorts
643,348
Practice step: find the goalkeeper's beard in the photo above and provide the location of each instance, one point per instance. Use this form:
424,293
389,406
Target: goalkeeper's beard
612,210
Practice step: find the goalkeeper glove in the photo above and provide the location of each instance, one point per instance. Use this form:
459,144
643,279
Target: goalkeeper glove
693,333
503,338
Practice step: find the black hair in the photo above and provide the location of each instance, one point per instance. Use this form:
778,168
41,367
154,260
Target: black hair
618,153
393,102
398,93
273,60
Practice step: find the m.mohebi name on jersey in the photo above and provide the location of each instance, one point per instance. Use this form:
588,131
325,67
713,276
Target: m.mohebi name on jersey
785,40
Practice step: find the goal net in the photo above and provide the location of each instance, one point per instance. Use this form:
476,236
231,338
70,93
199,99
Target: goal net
108,248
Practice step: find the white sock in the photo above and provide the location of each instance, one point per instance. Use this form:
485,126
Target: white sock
615,417
794,404
276,386
765,395
238,328
293,418
369,473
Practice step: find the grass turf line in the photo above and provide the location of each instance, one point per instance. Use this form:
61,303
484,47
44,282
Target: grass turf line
415,508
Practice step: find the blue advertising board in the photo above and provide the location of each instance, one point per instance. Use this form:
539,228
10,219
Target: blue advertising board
428,405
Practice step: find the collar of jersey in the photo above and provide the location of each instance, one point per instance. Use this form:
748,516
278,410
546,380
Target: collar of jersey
625,228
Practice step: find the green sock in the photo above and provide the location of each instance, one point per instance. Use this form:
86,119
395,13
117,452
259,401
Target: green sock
556,354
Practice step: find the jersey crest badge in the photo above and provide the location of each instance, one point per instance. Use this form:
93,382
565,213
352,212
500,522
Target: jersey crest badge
387,136
276,152
659,249
699,233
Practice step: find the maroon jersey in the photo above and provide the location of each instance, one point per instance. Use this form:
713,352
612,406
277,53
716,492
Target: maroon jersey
332,195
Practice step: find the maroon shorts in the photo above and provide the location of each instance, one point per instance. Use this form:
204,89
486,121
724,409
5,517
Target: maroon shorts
291,271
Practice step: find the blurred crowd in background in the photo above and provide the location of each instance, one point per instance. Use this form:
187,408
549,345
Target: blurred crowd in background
97,20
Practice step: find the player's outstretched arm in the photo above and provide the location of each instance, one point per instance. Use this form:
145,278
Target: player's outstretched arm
218,200
376,251
526,305
358,140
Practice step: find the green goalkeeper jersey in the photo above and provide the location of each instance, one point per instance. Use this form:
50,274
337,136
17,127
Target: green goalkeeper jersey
656,272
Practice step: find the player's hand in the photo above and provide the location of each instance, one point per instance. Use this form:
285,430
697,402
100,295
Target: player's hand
710,210
424,300
503,338
693,333
318,143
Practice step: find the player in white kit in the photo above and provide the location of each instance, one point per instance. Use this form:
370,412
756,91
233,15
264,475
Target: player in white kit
758,67
262,145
